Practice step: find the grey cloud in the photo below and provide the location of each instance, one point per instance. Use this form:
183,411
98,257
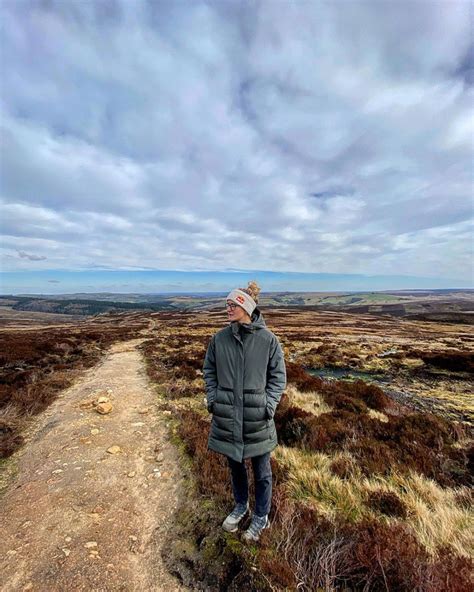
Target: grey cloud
30,256
465,68
333,191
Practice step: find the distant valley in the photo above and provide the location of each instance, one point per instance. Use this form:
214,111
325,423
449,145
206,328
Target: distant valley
456,306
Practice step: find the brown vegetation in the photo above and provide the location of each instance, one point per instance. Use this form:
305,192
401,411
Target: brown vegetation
388,503
316,553
454,361
210,469
411,442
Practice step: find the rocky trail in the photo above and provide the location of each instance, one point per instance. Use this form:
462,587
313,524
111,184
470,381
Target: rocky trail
94,494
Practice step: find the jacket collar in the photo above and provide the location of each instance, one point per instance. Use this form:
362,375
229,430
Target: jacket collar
256,322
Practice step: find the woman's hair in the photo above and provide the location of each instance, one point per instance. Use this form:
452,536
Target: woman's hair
252,290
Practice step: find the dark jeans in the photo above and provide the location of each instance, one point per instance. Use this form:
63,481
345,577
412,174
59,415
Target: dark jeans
262,475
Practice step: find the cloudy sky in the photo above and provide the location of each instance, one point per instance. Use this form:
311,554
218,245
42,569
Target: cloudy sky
293,136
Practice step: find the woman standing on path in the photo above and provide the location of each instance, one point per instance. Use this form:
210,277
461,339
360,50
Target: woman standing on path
245,375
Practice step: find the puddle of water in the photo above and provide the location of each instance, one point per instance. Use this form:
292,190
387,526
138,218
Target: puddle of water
346,374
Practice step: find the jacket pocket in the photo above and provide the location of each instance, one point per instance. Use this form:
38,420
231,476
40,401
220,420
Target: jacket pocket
254,405
222,428
211,399
269,429
268,411
224,396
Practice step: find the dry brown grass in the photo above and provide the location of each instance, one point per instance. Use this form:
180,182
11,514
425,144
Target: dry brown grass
311,401
437,515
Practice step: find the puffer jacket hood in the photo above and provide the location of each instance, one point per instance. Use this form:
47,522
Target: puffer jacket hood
245,376
256,322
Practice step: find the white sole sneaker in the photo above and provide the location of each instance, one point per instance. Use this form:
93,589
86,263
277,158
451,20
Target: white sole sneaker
232,525
250,538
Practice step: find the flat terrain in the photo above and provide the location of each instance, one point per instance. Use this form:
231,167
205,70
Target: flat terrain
89,500
425,364
78,517
19,318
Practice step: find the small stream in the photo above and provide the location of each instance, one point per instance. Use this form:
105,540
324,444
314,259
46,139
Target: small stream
427,404
347,374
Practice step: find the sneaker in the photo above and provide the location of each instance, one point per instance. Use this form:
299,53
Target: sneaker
254,531
231,523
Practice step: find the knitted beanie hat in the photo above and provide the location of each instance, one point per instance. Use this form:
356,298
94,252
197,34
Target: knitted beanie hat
242,299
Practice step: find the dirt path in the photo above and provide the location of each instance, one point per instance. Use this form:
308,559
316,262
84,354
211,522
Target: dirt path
77,517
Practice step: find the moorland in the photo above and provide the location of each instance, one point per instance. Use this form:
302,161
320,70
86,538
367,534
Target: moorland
374,471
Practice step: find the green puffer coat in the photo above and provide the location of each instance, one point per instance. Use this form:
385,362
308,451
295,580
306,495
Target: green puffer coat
245,375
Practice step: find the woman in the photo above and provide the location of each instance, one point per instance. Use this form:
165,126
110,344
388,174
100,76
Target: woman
245,375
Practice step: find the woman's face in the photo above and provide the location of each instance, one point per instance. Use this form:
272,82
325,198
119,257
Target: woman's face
235,312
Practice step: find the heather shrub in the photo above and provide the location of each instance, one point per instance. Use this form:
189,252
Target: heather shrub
470,459
386,557
424,428
454,361
280,473
210,469
325,432
282,572
183,365
179,388
291,425
343,467
372,395
312,546
373,457
346,403
10,437
282,408
354,396
304,382
185,372
367,395
448,573
416,441
387,502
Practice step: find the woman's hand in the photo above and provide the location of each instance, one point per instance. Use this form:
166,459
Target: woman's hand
210,374
276,378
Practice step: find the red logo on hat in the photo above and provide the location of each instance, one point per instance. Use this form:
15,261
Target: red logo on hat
240,299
